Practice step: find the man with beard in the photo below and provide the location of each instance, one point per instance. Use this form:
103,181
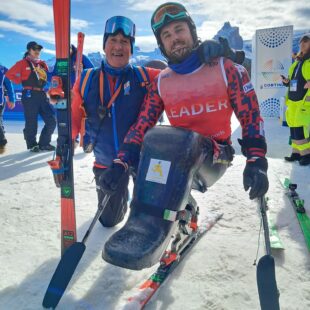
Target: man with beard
199,99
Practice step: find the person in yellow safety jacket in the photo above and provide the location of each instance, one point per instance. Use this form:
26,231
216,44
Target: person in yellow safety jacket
298,103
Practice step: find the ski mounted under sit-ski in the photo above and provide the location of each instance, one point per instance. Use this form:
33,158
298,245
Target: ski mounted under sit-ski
62,164
183,242
168,263
299,208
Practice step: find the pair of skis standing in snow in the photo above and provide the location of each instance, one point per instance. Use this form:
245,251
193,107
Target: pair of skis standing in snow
199,95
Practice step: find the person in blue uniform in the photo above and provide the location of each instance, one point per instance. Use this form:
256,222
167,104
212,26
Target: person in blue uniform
6,92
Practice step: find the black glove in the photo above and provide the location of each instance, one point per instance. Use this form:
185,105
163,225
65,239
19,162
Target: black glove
255,176
111,178
210,49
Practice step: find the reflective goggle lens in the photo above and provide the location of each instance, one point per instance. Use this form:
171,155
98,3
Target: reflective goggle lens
174,11
122,23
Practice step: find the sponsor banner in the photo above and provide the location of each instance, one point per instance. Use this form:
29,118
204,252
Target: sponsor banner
271,58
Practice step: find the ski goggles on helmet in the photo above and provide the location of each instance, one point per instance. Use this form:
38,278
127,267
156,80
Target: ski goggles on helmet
120,23
168,12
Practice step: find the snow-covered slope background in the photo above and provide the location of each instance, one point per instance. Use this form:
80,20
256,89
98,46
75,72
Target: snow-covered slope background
217,275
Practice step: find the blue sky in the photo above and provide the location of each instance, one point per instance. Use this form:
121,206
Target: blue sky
22,21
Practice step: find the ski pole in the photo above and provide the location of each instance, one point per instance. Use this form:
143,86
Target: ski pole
263,210
265,273
68,264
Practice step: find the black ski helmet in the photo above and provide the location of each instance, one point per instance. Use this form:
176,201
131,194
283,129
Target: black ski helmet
167,13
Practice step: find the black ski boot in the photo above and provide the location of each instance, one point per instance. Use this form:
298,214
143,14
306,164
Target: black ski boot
3,143
47,147
35,148
169,159
293,157
304,160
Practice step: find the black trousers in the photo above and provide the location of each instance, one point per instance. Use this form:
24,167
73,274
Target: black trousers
211,171
35,103
2,132
117,206
297,133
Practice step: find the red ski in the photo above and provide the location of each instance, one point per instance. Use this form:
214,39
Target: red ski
62,164
79,54
168,264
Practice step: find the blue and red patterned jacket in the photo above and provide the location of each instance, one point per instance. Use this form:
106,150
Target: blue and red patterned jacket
203,101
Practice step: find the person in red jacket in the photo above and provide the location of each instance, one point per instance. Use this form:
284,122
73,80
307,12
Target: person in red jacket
31,72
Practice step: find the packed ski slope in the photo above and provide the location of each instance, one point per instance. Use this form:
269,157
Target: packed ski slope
217,275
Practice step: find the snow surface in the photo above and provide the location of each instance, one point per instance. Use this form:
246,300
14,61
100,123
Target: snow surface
218,274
